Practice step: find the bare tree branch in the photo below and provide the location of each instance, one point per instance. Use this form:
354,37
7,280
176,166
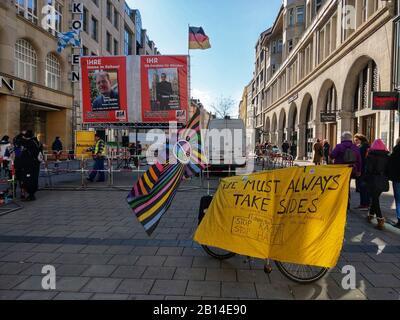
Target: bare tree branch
223,107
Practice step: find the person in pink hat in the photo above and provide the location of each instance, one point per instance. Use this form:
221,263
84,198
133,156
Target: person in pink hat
377,180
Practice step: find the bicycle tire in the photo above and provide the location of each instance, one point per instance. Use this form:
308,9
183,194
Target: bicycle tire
315,273
211,251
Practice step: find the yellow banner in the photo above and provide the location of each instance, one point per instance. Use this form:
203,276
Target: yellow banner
83,141
295,215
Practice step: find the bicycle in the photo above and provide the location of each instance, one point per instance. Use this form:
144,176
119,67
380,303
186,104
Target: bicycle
303,274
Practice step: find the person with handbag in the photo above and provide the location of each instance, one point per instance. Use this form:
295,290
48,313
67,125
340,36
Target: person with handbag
377,181
393,172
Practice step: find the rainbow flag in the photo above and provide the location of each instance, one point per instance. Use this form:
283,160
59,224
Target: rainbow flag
152,195
198,39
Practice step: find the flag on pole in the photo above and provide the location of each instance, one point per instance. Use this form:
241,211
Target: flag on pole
66,38
152,195
198,39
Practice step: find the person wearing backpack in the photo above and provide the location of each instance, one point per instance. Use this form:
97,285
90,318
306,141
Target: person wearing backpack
347,152
393,173
377,180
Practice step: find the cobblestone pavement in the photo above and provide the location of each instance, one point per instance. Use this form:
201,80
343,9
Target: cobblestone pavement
100,251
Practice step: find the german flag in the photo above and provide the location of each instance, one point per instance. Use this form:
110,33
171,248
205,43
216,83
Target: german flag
198,39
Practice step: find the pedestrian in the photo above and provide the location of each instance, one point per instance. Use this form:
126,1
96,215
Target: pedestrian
5,155
99,155
377,180
318,153
285,147
30,163
133,154
347,152
393,172
326,151
139,150
362,142
57,148
293,150
16,155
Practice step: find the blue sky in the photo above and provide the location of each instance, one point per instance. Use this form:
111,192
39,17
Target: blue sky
233,27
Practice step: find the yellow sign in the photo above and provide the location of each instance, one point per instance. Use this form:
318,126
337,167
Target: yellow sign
295,215
83,141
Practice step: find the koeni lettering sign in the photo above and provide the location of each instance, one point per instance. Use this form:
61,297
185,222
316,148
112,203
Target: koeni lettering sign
385,101
8,83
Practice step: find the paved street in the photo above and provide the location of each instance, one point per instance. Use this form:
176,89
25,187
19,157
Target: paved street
100,251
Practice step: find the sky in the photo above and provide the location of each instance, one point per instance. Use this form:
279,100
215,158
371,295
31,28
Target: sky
233,27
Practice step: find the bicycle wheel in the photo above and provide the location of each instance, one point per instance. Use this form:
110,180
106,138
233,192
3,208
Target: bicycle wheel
302,274
216,253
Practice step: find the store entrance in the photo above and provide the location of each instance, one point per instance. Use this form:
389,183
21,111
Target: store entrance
31,119
369,127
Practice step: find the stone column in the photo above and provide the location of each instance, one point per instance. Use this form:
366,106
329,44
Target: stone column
301,147
10,115
344,123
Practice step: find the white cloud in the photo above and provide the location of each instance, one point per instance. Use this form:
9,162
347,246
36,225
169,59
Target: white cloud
204,97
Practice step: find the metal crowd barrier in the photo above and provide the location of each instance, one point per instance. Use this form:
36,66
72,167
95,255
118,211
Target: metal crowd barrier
121,171
8,202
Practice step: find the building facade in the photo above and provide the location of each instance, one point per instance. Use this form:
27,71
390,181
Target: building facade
334,55
35,93
38,89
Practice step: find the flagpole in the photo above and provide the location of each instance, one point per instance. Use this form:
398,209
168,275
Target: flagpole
190,69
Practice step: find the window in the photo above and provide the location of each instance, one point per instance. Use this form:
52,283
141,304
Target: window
291,17
128,43
273,46
59,16
108,42
300,15
28,9
116,19
95,27
290,45
273,68
25,60
53,72
318,5
85,19
85,51
396,70
364,11
109,10
116,48
280,44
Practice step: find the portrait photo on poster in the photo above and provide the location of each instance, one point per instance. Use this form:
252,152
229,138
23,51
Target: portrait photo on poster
104,90
164,89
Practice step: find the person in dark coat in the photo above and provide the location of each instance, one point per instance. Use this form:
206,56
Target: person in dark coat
318,153
57,148
393,172
339,154
377,181
362,142
285,147
327,151
30,164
